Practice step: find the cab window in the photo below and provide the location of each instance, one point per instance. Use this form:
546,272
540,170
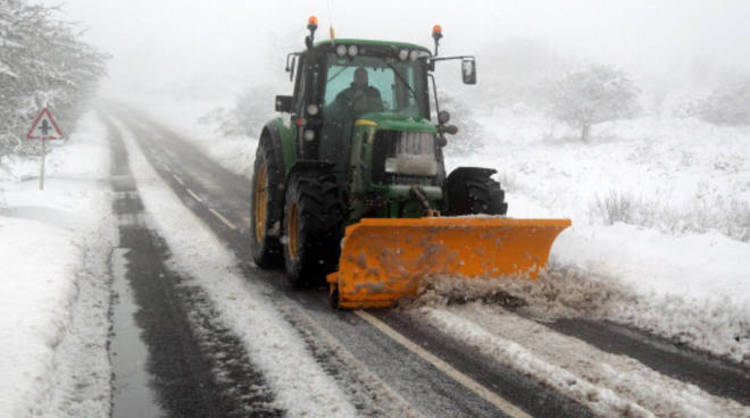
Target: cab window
396,81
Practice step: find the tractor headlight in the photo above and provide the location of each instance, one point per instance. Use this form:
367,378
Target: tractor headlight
403,54
413,55
353,50
341,50
312,109
309,134
414,154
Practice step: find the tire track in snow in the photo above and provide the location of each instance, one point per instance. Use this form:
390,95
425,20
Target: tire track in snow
501,403
607,383
185,344
299,385
576,305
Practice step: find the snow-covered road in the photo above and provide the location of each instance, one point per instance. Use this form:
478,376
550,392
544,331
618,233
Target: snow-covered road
598,392
221,336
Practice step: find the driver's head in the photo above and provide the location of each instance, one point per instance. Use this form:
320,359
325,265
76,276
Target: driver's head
360,77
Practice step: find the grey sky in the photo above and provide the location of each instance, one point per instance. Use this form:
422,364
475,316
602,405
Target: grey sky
156,43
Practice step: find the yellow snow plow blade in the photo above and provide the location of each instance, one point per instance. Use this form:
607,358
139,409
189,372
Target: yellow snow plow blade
383,260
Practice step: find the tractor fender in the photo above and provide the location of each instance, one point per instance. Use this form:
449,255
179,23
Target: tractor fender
282,139
462,172
471,190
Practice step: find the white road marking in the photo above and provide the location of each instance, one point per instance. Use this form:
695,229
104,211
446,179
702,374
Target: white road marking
179,180
223,219
195,196
446,368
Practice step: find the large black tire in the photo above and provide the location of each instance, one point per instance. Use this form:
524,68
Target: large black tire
472,191
267,204
313,224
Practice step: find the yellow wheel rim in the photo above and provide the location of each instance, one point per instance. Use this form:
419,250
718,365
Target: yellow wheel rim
261,202
293,231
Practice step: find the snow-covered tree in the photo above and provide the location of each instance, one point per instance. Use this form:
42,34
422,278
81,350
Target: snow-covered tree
42,62
728,104
593,95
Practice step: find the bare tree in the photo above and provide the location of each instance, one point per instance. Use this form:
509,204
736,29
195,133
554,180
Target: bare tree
593,95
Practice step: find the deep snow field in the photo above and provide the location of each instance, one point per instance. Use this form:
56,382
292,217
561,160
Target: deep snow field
660,209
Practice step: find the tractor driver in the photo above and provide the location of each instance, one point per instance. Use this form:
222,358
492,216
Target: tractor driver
359,98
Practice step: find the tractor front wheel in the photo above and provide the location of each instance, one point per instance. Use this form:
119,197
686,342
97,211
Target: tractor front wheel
266,201
313,221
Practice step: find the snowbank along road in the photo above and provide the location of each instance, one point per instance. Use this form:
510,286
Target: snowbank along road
223,338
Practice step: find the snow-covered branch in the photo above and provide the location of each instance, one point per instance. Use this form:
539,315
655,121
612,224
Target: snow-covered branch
42,62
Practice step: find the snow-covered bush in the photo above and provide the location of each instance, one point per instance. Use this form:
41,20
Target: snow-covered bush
728,104
621,207
730,217
42,62
593,95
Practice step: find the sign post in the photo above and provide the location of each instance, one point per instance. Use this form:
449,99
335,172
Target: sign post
44,128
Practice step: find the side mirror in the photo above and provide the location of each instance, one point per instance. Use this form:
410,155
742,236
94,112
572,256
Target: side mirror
291,60
469,70
284,104
443,117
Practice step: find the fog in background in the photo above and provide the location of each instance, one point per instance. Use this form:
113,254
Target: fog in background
213,49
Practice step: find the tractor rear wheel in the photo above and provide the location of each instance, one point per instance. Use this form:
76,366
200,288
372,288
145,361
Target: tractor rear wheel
472,191
313,222
266,200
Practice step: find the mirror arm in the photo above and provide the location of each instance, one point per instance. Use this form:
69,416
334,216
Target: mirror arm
434,93
458,57
441,135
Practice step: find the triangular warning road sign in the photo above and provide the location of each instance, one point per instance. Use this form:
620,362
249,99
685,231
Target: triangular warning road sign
44,127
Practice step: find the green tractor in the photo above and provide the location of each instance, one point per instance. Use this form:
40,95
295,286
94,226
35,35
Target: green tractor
358,142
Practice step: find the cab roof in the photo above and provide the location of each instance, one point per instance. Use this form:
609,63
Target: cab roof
407,45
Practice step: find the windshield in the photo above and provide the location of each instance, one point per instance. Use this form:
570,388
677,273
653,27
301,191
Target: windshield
373,84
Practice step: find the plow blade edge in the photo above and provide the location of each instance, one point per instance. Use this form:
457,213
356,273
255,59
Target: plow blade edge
383,260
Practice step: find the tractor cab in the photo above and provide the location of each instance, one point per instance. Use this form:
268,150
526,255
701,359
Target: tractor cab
364,107
339,82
